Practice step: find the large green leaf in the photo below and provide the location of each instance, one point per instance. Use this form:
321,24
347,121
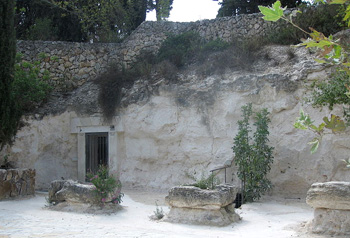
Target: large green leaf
273,13
335,124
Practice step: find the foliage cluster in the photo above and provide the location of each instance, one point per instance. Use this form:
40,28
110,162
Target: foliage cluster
205,181
214,55
237,7
30,86
179,48
253,158
330,92
42,29
42,20
84,20
106,186
324,18
304,122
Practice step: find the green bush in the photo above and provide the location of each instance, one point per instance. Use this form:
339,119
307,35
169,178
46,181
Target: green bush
253,158
178,49
330,92
214,46
333,91
30,87
106,186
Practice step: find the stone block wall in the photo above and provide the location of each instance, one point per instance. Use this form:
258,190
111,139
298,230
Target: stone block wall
77,63
16,182
70,64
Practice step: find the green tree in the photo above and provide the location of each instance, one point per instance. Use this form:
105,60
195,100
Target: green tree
9,116
236,7
102,20
162,7
43,20
253,159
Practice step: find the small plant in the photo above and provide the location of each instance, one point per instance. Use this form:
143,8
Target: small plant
253,158
159,213
107,188
205,182
6,164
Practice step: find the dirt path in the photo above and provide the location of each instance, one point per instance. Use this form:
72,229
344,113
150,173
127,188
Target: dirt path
30,218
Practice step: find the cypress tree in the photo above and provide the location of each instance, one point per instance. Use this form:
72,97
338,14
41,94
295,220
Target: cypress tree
9,114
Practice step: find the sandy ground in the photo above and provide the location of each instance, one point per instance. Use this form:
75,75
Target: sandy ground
268,218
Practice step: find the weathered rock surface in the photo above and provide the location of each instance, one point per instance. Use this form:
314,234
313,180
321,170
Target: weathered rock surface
331,222
16,183
329,195
72,192
192,205
331,201
193,197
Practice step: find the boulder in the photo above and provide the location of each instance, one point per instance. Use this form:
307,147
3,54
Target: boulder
330,195
331,201
193,197
331,222
221,217
192,205
71,191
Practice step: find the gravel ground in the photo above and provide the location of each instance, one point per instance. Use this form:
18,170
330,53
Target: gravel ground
31,217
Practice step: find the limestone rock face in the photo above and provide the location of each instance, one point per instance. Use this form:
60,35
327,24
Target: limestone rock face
193,197
192,205
330,195
167,130
71,191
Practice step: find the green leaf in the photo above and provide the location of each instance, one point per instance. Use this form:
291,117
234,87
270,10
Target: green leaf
318,44
347,16
315,143
335,124
320,127
273,13
337,51
320,61
337,1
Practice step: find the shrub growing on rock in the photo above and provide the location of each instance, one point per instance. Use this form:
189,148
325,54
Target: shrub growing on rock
107,187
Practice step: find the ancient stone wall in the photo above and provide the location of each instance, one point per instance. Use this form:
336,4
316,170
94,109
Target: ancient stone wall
72,64
16,182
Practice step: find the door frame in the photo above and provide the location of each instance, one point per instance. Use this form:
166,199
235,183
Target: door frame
82,125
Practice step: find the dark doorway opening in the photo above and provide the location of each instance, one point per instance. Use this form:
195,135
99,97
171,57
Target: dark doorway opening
96,151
